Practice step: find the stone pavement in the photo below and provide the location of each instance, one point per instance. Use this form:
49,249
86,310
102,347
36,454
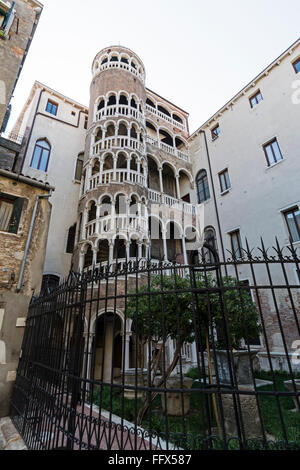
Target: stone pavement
10,439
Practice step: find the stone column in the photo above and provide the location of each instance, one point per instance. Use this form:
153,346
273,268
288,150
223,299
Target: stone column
126,342
165,245
177,186
185,260
128,169
161,180
95,251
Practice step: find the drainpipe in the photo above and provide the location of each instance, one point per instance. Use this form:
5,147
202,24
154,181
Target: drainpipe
214,196
33,217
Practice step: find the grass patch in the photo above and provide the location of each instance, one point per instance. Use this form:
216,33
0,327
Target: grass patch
188,431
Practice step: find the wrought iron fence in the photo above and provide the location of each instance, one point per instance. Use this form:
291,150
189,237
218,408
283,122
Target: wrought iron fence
165,357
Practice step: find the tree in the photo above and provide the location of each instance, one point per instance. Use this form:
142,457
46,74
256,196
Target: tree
179,309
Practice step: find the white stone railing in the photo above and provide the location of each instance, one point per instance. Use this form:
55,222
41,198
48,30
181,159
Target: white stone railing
167,118
167,148
159,198
117,142
120,110
120,65
118,223
117,176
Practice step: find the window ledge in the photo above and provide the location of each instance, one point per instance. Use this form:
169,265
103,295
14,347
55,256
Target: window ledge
274,164
214,138
11,234
76,182
225,192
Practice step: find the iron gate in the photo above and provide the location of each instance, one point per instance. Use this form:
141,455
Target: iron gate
163,356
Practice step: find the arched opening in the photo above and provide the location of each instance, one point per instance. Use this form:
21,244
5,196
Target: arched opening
133,103
179,143
151,130
165,137
95,167
103,251
123,100
133,131
153,174
88,257
133,163
50,282
92,211
184,186
150,103
101,104
122,129
124,60
177,118
133,249
121,161
174,243
104,60
157,248
119,248
163,110
98,135
111,100
108,162
120,206
110,131
169,181
114,58
107,357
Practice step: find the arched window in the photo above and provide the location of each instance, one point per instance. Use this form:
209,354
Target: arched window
41,153
50,282
71,239
79,167
202,186
210,239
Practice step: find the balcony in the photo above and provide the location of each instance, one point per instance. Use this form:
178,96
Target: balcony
118,176
120,110
111,225
159,198
119,142
168,149
167,118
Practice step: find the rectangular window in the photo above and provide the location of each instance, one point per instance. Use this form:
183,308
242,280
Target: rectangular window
272,152
236,245
10,212
85,122
224,181
52,107
255,341
296,65
292,218
255,99
79,166
215,132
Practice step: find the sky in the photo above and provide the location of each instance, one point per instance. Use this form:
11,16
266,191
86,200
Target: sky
197,54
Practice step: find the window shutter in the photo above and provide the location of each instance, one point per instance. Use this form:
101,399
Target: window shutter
16,215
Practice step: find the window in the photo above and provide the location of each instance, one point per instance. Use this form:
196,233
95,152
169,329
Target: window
202,186
6,17
40,157
50,282
210,239
71,239
292,218
255,99
296,65
10,212
253,341
52,107
236,245
85,122
225,184
79,166
215,132
272,152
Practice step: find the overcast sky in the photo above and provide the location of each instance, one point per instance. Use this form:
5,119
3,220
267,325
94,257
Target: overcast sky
198,54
